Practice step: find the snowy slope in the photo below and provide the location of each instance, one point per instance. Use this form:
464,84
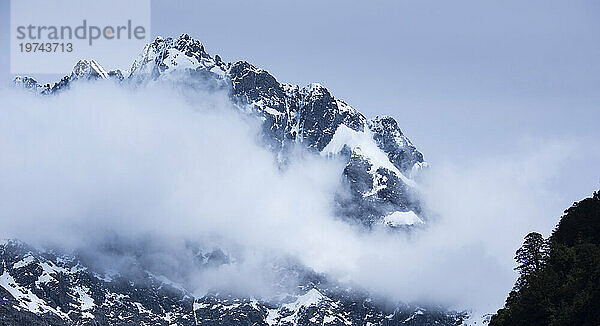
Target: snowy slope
50,288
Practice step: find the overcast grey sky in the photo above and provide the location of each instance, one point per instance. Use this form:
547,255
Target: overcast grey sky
464,79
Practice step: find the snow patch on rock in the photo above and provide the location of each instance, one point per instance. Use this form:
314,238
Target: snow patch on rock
397,219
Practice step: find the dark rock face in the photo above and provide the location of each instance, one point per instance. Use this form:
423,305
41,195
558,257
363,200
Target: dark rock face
389,138
49,288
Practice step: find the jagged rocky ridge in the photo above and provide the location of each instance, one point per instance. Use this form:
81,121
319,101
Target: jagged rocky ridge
44,287
382,163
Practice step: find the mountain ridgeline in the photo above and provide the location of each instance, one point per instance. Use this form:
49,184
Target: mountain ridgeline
559,281
46,287
42,286
382,163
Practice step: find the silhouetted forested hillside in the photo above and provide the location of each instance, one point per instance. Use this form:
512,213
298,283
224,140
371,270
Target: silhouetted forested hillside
559,281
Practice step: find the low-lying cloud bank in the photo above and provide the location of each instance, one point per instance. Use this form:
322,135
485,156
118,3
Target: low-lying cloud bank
101,162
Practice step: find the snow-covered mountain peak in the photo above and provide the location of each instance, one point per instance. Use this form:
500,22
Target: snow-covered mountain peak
380,174
89,69
166,55
382,162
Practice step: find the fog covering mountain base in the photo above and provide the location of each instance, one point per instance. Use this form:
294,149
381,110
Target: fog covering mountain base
148,166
